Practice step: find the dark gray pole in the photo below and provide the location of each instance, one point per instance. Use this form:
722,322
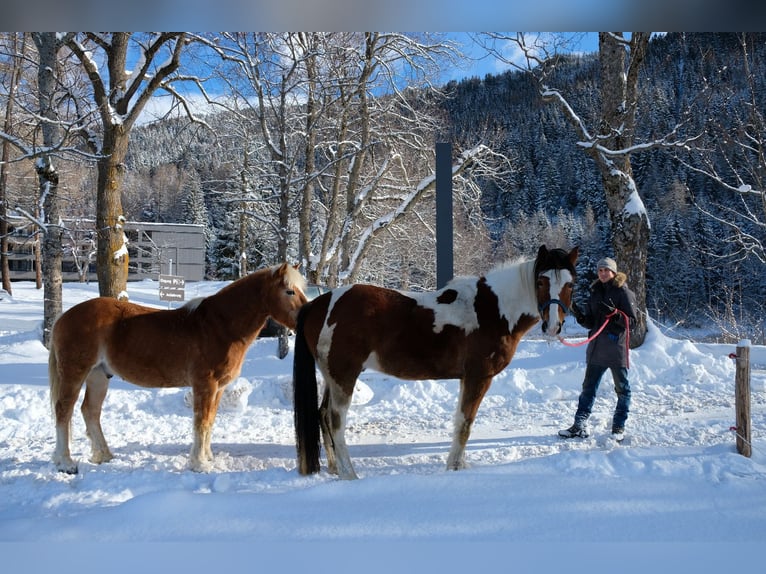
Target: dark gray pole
444,255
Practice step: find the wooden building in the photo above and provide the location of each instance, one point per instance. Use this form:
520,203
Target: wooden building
154,249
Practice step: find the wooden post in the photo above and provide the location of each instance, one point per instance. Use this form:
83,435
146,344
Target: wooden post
742,395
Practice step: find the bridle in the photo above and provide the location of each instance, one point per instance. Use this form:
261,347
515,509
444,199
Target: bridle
541,307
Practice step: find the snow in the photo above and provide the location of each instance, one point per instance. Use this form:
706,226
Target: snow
675,489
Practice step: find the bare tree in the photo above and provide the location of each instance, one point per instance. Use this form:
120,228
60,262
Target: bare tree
48,45
611,142
15,46
735,160
265,76
51,126
375,149
120,95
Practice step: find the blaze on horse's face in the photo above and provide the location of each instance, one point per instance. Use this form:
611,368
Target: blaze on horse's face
554,297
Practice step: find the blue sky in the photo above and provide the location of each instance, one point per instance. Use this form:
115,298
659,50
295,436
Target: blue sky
479,64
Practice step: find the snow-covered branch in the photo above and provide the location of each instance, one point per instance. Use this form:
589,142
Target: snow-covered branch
466,160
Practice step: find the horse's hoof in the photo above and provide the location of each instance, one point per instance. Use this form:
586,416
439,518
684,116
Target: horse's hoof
67,468
101,458
201,466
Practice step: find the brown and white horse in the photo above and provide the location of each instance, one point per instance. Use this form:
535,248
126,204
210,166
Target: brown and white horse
201,345
468,330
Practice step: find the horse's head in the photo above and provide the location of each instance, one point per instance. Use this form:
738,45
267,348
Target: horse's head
287,294
555,275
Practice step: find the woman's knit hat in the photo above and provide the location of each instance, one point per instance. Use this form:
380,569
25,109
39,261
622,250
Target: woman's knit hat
608,263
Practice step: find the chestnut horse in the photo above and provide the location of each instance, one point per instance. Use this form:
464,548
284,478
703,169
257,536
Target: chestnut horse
201,345
468,330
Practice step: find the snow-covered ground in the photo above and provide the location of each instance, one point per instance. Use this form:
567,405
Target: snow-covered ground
676,489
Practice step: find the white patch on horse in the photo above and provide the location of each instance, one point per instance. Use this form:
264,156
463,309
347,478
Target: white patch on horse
325,335
514,286
372,362
460,312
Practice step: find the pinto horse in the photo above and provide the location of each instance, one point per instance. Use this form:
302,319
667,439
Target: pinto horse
201,345
468,330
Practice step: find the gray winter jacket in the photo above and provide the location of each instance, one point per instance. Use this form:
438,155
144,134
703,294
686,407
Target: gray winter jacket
609,349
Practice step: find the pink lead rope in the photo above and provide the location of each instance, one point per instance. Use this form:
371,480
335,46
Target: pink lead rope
597,333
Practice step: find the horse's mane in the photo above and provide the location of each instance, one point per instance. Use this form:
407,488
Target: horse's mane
192,304
293,276
529,269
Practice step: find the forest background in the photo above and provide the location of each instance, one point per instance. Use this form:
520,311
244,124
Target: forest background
231,155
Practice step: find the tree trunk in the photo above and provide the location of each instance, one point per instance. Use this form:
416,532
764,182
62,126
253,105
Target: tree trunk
120,103
48,46
51,253
630,223
304,219
4,243
111,251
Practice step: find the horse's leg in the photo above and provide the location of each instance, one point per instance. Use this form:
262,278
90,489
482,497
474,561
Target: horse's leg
65,389
96,386
62,457
324,424
333,417
472,391
206,399
216,404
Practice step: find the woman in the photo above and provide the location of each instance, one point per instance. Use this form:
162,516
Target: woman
613,303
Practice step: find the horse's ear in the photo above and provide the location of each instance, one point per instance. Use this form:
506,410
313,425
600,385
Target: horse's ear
281,270
297,266
574,254
542,252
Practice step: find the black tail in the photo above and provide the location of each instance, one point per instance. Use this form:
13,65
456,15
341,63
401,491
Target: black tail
305,403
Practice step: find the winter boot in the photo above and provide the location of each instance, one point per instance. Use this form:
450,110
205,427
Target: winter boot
574,431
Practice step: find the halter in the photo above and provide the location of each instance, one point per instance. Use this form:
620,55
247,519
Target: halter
543,306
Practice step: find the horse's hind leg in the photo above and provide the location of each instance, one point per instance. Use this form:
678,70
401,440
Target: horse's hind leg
472,391
65,389
324,423
333,420
62,457
96,386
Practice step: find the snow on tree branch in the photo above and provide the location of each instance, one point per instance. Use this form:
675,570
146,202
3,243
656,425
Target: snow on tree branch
465,161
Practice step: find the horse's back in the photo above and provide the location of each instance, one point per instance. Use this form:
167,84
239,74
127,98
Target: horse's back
86,330
92,315
384,329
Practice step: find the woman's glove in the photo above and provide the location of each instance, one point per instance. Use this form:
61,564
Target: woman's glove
616,325
577,313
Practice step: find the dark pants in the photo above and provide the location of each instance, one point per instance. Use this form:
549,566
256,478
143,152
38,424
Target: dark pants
593,374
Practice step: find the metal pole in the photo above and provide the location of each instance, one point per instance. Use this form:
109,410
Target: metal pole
444,229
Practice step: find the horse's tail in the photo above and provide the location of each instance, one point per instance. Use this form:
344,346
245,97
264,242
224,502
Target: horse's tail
305,403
